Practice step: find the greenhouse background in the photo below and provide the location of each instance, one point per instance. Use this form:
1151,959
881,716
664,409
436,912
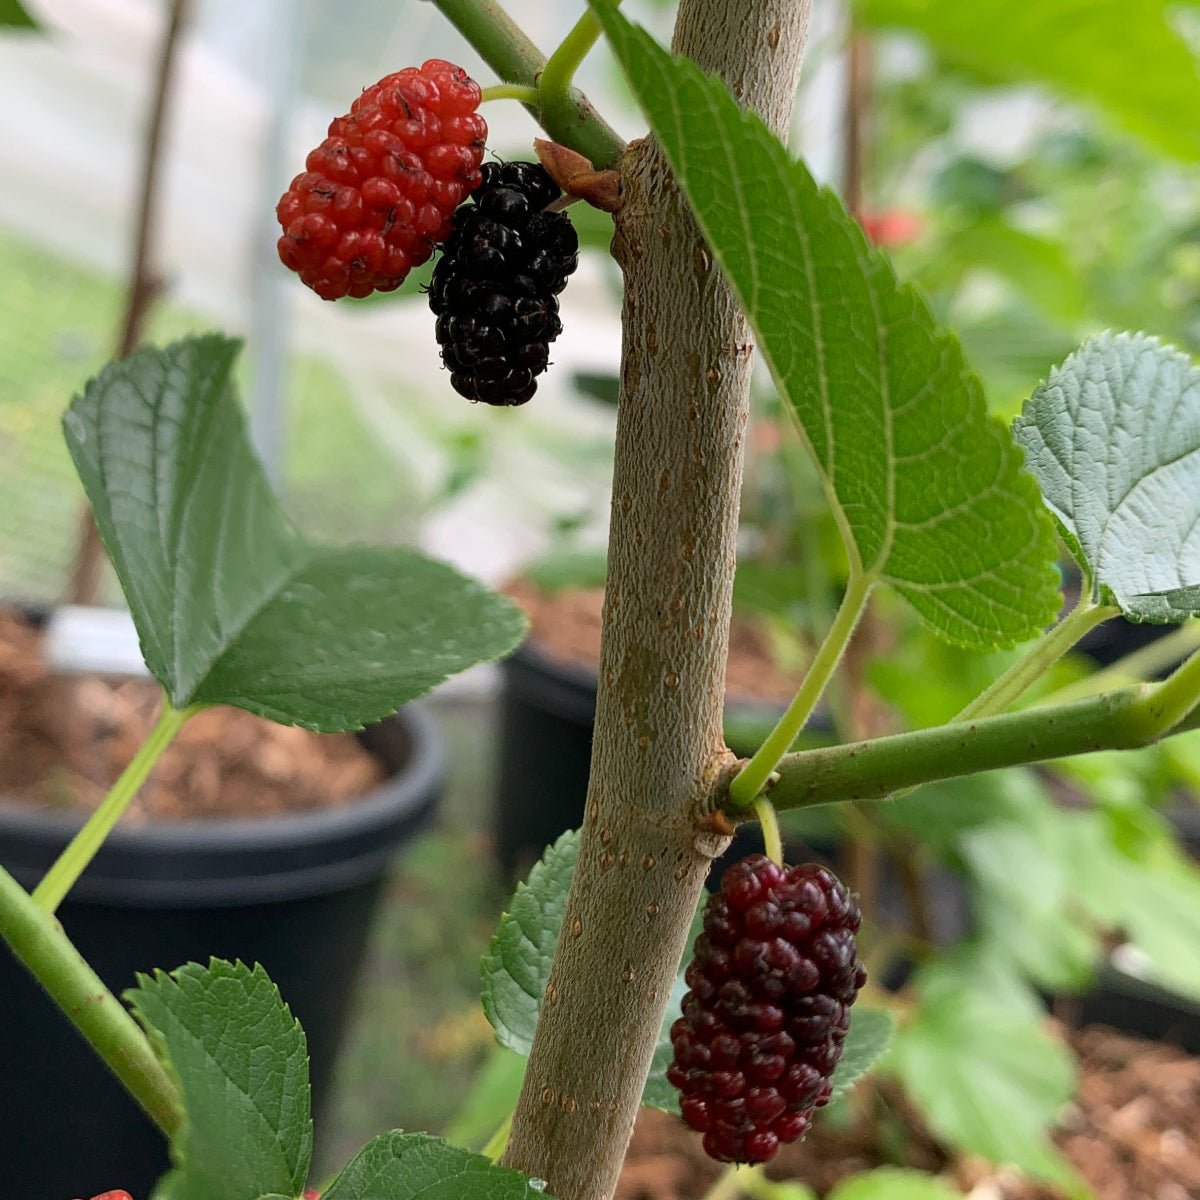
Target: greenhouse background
1029,220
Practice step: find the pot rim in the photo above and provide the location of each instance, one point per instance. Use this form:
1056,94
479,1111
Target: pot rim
248,859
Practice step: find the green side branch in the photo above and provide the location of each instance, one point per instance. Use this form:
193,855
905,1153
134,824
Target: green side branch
502,43
559,101
39,942
1123,720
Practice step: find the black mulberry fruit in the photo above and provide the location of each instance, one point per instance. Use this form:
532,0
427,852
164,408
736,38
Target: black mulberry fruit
772,980
495,288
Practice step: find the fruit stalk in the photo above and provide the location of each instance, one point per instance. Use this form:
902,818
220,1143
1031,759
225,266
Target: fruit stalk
658,749
506,49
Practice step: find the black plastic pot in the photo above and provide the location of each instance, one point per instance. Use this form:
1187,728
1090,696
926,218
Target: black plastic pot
296,893
1135,1006
547,710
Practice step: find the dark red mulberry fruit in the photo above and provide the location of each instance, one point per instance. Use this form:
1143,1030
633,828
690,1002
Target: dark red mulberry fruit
772,980
379,192
495,288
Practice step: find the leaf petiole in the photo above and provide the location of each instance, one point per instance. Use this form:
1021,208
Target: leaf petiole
73,861
497,1143
751,779
1044,653
1136,667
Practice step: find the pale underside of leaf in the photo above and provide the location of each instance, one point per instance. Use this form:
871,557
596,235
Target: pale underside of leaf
1113,437
929,491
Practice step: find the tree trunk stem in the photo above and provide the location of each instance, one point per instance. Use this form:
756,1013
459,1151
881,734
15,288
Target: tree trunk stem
658,750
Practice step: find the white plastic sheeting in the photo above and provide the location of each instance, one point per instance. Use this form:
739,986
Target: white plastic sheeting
76,100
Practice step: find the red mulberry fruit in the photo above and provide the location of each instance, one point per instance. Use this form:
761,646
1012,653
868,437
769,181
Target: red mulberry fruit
772,980
379,192
495,288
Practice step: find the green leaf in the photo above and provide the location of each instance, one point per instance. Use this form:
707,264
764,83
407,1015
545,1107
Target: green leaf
773,1189
492,1099
769,588
403,1166
242,1064
1036,266
13,15
1143,885
1026,905
604,387
1126,59
982,1069
928,490
894,1183
559,569
871,1031
938,815
232,606
1113,438
658,1092
517,964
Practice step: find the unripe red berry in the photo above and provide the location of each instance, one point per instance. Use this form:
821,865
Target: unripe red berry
772,980
380,191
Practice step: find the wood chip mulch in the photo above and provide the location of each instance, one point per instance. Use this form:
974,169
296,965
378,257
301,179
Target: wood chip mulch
63,741
566,624
1133,1133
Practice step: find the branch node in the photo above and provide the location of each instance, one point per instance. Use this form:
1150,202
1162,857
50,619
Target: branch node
577,177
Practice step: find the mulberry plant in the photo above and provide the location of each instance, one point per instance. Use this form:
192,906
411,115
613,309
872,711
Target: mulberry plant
726,243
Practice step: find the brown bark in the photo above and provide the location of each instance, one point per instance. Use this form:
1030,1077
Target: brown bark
143,287
658,747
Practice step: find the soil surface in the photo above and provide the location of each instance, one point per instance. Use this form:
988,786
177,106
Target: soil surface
1133,1133
63,741
566,624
